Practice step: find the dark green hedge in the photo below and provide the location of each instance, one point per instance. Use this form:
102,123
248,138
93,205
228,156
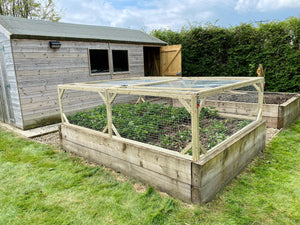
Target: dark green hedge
237,51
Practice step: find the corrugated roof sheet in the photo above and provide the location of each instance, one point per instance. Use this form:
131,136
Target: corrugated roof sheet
27,28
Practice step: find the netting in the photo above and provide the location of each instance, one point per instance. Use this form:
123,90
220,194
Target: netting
166,122
126,82
199,84
166,119
153,121
74,100
167,83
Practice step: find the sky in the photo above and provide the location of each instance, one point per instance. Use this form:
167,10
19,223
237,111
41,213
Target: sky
148,15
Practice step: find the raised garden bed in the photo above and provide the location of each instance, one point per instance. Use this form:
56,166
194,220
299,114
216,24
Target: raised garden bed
279,109
169,171
163,145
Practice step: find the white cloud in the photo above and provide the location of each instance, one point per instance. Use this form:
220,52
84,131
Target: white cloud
172,14
148,15
265,5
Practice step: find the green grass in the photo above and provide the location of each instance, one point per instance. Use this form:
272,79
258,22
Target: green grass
41,185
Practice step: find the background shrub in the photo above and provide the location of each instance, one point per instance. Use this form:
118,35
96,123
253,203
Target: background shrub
237,51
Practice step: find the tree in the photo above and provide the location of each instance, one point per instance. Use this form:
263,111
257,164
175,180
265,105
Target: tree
30,9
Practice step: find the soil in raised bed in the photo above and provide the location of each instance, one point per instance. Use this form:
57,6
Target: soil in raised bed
212,131
251,97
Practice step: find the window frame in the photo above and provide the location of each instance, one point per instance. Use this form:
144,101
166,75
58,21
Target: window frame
110,62
113,68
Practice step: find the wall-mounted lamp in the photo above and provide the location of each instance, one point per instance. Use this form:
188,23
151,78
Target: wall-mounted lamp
54,44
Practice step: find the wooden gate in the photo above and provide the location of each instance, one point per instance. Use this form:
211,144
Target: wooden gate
170,60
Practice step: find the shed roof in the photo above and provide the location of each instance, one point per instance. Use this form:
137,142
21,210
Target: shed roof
39,29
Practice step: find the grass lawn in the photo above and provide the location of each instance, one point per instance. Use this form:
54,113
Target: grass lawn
42,185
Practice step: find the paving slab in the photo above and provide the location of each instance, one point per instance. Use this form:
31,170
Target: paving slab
39,131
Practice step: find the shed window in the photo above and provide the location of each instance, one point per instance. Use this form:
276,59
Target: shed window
99,61
120,60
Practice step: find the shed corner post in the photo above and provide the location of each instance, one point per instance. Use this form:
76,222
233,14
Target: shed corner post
195,128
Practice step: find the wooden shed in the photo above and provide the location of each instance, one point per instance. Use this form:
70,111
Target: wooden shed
38,55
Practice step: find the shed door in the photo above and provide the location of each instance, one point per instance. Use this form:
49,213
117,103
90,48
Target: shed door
170,60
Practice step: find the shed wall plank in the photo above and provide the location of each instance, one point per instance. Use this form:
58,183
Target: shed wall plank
40,69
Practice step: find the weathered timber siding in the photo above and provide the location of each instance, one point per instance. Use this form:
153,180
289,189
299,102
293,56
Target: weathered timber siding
40,69
10,80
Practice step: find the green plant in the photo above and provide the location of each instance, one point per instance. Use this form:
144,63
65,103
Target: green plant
208,113
143,122
159,124
243,123
215,133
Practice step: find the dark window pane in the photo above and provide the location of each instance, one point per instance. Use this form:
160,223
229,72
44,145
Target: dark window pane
99,61
120,60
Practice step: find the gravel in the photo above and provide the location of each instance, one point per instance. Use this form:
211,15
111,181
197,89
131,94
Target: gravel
270,133
51,139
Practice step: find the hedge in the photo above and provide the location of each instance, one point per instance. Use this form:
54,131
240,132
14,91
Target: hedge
237,51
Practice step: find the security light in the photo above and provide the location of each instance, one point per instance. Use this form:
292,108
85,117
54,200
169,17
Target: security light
54,44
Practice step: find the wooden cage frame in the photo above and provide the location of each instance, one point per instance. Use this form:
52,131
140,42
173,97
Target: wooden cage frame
109,92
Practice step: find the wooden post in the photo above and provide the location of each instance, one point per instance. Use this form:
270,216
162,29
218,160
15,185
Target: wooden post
108,112
201,105
195,128
60,96
110,61
185,104
260,100
140,100
260,89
